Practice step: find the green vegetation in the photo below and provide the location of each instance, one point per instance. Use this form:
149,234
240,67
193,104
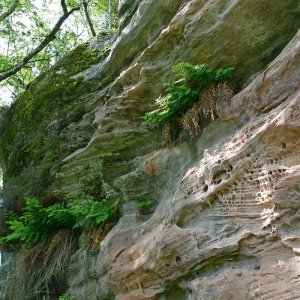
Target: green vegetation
142,203
31,43
37,223
66,297
27,142
49,233
183,93
145,206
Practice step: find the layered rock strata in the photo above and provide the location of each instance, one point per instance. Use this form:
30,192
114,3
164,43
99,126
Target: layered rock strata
226,224
228,228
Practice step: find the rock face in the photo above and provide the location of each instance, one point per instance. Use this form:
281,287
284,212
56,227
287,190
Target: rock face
229,229
231,224
227,222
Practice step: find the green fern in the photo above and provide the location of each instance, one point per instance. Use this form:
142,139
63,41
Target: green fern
38,223
170,105
96,213
183,93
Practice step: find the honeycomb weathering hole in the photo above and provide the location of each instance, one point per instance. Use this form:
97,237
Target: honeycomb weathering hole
217,177
178,260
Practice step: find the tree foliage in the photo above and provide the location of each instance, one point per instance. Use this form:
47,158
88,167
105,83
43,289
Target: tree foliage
34,34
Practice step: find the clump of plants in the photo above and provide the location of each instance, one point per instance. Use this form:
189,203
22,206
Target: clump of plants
38,223
145,206
49,236
66,297
196,92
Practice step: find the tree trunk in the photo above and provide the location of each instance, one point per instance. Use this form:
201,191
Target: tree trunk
109,15
88,18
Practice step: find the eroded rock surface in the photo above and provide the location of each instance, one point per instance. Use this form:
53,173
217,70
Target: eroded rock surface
227,222
243,34
230,229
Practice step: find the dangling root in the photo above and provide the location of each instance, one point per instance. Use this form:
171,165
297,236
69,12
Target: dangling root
206,105
44,267
171,131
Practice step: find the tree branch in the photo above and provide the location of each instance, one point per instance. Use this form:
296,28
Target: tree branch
88,18
49,38
109,15
64,6
42,59
9,11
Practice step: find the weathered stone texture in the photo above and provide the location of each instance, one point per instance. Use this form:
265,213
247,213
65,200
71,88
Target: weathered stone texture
230,230
227,221
243,34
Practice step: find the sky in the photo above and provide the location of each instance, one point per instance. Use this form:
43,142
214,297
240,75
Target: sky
6,96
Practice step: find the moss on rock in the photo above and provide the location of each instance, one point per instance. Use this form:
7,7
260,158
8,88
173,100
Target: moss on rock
33,130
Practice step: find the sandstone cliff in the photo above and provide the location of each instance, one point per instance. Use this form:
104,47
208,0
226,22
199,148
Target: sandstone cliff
225,225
